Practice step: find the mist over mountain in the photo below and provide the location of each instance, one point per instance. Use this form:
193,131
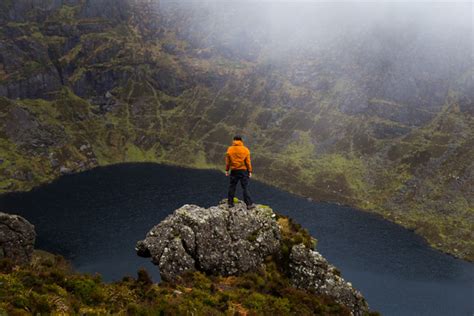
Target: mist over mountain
366,104
410,53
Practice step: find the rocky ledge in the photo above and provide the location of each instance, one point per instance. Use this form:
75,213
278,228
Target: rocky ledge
223,241
17,238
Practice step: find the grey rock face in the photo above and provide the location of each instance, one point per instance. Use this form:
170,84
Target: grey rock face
27,132
38,85
64,170
216,240
311,271
17,238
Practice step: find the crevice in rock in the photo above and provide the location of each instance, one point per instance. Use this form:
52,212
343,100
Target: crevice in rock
197,263
56,64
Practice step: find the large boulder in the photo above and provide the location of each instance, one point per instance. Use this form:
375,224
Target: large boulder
17,238
216,240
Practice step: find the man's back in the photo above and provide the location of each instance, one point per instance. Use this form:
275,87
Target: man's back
238,157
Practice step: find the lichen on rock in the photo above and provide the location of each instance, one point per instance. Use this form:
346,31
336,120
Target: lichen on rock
17,238
310,270
216,240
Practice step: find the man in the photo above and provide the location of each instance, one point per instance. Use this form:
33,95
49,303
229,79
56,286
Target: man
237,160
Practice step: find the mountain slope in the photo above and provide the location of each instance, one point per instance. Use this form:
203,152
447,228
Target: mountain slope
83,86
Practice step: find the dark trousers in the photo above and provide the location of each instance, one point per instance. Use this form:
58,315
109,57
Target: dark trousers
236,176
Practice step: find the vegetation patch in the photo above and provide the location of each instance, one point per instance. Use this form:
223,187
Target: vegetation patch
49,286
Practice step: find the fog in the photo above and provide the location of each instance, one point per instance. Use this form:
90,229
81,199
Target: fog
402,51
311,24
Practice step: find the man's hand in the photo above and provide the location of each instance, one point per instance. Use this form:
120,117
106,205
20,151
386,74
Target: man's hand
227,173
250,175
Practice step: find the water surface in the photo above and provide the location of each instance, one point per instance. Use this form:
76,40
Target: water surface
95,218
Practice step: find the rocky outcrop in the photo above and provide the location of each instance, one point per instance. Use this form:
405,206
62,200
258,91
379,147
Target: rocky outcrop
17,238
216,240
309,270
231,241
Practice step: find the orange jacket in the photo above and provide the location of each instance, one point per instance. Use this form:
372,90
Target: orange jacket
238,157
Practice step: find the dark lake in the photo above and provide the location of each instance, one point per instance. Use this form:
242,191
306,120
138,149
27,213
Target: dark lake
94,219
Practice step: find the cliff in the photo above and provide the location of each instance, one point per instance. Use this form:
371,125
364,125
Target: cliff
81,86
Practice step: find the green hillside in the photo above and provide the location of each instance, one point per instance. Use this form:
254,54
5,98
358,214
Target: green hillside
82,86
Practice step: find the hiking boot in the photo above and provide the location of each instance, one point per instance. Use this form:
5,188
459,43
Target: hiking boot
251,206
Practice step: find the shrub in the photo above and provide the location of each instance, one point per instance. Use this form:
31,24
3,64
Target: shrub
6,265
87,289
144,278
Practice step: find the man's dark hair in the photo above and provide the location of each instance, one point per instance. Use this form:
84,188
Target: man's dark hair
237,137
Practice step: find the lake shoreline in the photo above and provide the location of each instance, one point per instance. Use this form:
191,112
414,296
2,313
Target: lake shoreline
381,215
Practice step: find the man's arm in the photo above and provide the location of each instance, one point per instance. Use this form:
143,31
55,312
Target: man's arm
248,164
227,163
